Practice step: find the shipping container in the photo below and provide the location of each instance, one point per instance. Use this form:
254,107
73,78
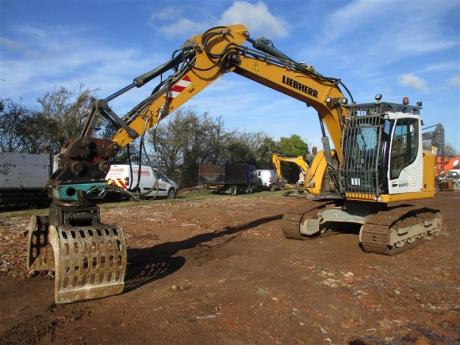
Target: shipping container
23,179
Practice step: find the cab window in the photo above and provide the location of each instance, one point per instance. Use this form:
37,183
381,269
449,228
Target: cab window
404,148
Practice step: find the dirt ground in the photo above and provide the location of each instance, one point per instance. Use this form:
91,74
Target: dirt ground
219,271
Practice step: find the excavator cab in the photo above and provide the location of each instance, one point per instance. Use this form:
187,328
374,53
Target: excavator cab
382,151
382,163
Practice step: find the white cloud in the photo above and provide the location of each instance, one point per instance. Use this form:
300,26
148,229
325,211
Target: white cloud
414,82
442,66
10,44
378,33
454,81
183,27
348,18
257,17
53,57
168,12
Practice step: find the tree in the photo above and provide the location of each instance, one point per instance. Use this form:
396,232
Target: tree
293,146
263,152
239,151
68,111
60,118
187,140
450,151
12,116
255,148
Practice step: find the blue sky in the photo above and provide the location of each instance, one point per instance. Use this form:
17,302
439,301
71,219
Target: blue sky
396,48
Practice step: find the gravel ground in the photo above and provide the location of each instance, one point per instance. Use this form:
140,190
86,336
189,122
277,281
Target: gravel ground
219,271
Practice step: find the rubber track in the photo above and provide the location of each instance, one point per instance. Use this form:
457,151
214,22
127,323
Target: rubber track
375,235
292,220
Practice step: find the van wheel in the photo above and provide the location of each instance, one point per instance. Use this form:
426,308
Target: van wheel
172,193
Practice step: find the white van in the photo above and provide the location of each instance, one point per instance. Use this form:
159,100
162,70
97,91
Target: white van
120,175
267,179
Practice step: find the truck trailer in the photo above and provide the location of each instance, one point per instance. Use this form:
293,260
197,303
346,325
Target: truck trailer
23,179
230,178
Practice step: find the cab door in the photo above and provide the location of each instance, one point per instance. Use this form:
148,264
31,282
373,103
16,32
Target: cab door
405,173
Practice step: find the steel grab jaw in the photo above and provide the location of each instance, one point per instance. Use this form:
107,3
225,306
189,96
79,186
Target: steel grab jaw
89,260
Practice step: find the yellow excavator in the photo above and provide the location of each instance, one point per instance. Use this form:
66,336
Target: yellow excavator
378,163
298,161
314,182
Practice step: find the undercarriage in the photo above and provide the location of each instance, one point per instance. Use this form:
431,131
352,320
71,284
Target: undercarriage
382,229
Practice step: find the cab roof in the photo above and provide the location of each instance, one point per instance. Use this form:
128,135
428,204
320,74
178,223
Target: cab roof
386,107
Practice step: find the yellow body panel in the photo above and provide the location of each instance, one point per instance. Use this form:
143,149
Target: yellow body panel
315,175
389,198
429,173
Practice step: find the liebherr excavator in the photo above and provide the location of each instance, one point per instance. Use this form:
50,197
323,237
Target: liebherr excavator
379,161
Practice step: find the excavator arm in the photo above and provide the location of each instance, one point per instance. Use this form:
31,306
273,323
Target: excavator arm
88,257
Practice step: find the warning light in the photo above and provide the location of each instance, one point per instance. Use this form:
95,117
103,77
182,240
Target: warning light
405,100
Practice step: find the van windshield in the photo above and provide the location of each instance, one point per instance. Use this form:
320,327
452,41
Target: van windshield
160,175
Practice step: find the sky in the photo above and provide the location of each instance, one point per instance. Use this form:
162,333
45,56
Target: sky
395,48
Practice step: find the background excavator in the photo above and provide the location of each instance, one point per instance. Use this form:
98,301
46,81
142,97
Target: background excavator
298,161
378,161
448,173
315,182
447,168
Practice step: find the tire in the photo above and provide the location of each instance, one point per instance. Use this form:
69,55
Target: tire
172,193
249,190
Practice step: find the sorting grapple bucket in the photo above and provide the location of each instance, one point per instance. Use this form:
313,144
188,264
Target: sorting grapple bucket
88,258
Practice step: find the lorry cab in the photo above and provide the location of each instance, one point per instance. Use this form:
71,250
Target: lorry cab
152,181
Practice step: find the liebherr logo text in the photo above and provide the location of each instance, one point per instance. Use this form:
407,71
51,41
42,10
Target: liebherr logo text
299,86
